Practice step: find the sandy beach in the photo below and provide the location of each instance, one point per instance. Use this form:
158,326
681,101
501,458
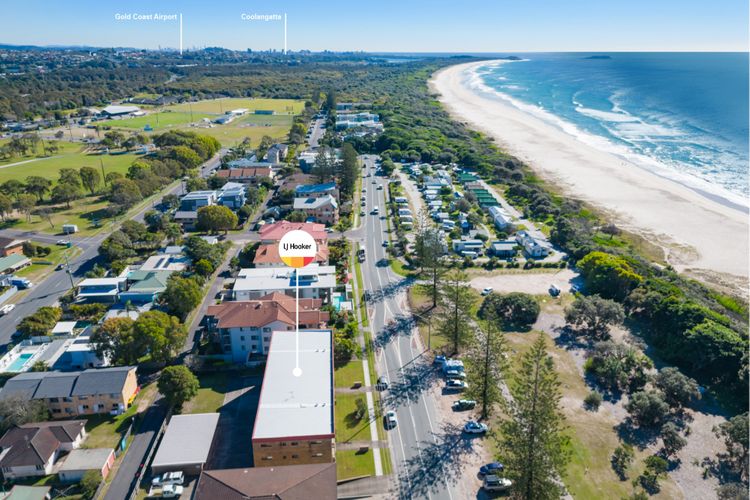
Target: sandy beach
699,234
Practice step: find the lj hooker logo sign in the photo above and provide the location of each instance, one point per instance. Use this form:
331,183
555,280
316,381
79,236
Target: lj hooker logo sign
297,249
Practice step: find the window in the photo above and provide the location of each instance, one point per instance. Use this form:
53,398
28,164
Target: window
317,454
254,347
263,445
266,329
254,337
282,444
294,443
83,398
54,400
85,407
56,410
295,456
242,338
269,457
315,442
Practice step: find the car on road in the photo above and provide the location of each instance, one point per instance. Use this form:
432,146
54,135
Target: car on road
439,360
380,187
374,182
456,385
473,427
62,242
168,478
383,384
464,404
487,291
375,210
455,374
496,483
6,309
389,420
60,267
329,230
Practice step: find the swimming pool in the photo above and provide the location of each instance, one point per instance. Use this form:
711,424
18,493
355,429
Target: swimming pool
17,364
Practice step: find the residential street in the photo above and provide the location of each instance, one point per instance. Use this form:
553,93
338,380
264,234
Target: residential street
425,452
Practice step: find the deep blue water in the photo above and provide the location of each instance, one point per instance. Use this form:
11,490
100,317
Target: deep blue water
684,114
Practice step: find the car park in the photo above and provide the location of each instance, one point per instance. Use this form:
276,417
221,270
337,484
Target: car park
389,420
487,291
473,427
491,468
464,404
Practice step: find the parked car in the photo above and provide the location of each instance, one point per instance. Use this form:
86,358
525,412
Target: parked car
385,243
487,291
473,427
491,468
456,385
496,483
168,478
439,360
464,404
554,291
390,420
383,384
171,491
455,374
6,309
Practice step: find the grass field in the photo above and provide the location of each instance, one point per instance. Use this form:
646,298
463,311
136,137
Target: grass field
157,121
84,213
71,156
347,428
345,376
210,397
65,148
221,106
104,431
351,463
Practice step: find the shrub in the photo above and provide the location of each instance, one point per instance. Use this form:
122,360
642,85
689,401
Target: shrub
593,400
621,460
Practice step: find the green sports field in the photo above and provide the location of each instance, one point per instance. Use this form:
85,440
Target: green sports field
158,121
221,106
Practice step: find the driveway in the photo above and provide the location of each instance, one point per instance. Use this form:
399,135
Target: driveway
232,447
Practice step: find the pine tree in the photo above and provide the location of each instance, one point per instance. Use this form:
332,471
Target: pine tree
533,442
486,366
455,301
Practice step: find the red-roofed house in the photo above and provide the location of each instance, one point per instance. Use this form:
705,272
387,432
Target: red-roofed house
267,255
244,328
271,233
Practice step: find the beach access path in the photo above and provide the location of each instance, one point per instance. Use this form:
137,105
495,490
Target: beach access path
698,233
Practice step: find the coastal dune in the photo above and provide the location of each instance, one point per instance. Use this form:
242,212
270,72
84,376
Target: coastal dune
698,233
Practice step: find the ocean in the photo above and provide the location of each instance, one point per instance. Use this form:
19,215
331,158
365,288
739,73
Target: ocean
681,115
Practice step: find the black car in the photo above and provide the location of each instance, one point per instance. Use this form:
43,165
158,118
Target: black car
464,404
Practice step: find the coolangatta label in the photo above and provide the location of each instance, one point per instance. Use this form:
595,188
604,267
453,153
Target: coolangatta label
297,248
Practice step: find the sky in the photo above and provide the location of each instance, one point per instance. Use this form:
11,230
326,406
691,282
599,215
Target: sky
389,25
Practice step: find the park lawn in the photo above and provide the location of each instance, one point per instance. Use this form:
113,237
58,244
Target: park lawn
593,437
235,132
41,266
65,148
351,463
210,397
82,212
221,106
348,429
158,121
105,431
345,376
50,166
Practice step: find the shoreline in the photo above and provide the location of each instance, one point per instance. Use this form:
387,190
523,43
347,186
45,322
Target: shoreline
698,230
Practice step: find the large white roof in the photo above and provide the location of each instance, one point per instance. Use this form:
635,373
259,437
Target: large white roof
187,440
282,278
297,407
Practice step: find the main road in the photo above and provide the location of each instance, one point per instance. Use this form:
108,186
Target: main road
57,283
425,450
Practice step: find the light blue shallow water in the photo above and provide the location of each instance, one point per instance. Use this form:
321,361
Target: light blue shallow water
685,114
